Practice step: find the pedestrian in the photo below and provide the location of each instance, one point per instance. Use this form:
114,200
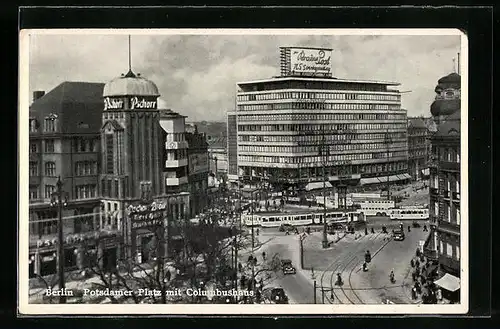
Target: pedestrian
422,258
240,267
373,231
413,293
366,231
425,228
412,263
250,259
418,287
418,252
264,256
409,229
167,275
417,263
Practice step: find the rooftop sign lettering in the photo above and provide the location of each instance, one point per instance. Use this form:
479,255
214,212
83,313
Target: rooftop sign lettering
112,103
141,103
310,61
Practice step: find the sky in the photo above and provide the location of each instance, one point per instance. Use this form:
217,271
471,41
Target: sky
197,74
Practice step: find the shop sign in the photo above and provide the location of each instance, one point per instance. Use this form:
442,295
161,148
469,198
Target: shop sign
149,215
310,61
112,103
142,103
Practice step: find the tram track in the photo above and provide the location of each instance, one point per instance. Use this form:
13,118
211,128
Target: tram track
349,295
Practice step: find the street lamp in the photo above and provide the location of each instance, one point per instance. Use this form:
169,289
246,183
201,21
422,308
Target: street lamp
59,199
323,151
387,142
313,276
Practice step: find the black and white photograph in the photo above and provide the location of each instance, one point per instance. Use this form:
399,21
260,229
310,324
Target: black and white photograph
280,171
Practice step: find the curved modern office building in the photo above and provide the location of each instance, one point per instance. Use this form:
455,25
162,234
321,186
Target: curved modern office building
287,128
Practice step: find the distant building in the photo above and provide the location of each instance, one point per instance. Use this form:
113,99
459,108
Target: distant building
64,142
198,169
284,128
444,206
217,149
418,146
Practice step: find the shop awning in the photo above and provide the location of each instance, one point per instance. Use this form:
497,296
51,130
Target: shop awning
366,181
317,185
406,176
392,178
449,282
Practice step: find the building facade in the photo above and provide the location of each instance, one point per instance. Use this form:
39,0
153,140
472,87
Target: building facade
418,146
217,150
286,128
198,170
444,206
144,156
64,143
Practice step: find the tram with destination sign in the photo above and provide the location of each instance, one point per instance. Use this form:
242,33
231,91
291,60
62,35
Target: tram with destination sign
299,219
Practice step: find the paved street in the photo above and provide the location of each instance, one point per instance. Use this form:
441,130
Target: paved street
346,257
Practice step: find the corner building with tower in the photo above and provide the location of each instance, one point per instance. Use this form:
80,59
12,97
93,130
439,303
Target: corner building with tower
281,126
137,168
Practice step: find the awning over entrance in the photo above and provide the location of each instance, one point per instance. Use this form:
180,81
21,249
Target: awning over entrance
449,282
317,185
366,181
392,178
406,176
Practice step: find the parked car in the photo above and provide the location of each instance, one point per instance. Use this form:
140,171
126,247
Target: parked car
287,267
399,235
278,296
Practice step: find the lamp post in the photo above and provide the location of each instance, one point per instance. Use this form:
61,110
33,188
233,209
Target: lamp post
57,201
313,276
323,151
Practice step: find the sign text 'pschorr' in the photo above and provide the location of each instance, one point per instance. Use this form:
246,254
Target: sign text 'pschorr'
112,103
136,103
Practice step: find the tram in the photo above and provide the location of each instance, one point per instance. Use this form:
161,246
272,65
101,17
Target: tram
299,219
376,207
409,213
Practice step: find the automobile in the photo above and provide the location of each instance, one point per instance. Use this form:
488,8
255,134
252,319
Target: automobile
399,235
286,228
287,267
278,296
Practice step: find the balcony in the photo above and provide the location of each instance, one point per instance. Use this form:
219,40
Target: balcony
176,181
176,145
176,163
447,227
449,166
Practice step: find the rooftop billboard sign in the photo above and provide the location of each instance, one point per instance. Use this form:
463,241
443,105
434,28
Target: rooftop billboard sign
306,62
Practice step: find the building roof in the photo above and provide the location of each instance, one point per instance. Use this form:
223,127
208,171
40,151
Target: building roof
450,78
416,123
78,106
130,85
217,142
169,114
387,83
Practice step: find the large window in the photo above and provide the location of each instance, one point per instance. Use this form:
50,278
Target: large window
109,154
85,191
33,125
33,193
49,190
49,146
85,168
33,168
50,169
50,125
33,148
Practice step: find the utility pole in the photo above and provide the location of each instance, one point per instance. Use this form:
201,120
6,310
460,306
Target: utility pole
324,152
387,141
57,200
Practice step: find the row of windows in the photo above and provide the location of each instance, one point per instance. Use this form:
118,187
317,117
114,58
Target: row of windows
173,155
79,145
310,139
319,159
50,168
332,171
446,249
316,149
449,154
317,95
85,168
329,127
318,106
86,191
49,146
315,117
419,153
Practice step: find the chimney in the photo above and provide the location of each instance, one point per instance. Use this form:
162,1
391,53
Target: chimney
38,94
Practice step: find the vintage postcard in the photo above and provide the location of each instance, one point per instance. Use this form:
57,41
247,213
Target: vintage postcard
283,171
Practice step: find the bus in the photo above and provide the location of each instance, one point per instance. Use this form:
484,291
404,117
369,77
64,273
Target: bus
375,207
409,213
